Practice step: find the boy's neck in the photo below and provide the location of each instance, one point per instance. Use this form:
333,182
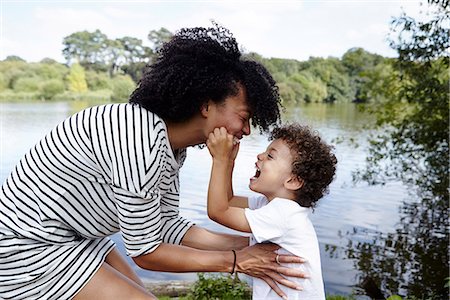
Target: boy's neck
285,195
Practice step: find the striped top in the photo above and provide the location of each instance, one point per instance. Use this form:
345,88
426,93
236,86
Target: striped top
106,169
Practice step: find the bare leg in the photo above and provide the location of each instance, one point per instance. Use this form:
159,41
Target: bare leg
118,262
114,280
108,283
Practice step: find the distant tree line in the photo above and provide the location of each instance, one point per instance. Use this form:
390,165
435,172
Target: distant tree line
98,67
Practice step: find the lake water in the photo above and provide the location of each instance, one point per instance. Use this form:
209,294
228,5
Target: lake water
348,214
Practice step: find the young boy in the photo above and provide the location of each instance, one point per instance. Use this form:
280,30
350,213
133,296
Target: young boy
292,175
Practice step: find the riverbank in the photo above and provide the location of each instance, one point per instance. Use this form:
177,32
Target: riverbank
173,288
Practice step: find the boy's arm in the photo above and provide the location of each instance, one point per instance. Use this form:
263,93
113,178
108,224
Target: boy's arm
238,201
223,152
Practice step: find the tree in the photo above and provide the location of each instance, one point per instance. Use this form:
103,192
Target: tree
77,79
14,58
415,103
136,56
413,120
358,64
310,88
86,48
114,56
159,37
332,73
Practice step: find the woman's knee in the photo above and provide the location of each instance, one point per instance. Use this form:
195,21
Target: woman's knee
108,283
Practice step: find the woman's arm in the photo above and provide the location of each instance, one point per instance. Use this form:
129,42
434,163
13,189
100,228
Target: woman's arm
257,261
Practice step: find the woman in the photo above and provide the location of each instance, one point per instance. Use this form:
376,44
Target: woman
114,168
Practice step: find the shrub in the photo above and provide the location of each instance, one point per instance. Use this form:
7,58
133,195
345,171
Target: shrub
122,86
219,287
97,81
26,84
3,82
77,79
50,88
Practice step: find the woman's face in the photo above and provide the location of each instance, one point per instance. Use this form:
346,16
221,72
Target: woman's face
233,114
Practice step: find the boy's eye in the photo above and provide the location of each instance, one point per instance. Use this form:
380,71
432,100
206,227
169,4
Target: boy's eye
270,156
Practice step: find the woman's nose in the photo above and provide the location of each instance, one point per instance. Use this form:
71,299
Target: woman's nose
246,129
260,156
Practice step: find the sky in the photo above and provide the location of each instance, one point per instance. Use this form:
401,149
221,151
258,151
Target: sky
291,29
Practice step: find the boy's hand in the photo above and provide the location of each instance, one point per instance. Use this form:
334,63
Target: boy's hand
221,145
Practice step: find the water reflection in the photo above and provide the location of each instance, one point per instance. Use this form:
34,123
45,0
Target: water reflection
414,259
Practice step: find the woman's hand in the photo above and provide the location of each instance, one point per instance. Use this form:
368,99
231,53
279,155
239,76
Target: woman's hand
260,261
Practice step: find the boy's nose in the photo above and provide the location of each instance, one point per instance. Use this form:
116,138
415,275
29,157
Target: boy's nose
260,156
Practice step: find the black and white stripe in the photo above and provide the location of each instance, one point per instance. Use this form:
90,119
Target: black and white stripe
106,169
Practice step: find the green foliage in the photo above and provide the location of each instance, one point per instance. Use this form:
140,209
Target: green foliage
357,61
51,88
286,66
85,47
309,89
122,86
219,287
394,297
97,80
12,71
9,95
158,37
48,71
14,58
26,84
3,82
410,99
413,104
339,297
103,59
332,73
77,79
95,51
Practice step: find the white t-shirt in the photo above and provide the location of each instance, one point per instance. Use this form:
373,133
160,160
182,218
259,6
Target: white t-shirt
286,223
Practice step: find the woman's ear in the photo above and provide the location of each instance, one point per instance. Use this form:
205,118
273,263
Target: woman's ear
204,109
294,183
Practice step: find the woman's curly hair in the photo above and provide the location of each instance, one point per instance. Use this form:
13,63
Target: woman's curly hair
200,64
313,161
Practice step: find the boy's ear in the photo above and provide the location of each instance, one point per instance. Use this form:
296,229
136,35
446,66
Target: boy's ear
294,183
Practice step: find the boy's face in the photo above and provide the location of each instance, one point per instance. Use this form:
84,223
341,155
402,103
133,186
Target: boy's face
273,170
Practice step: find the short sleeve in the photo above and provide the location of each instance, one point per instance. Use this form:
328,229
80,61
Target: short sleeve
266,223
257,201
174,227
139,221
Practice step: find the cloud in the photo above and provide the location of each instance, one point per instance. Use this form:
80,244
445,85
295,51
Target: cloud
288,29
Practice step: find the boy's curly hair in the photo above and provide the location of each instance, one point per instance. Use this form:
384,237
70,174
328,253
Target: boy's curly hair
200,64
314,161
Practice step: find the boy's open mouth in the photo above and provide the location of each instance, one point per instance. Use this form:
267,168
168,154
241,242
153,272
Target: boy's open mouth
257,173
